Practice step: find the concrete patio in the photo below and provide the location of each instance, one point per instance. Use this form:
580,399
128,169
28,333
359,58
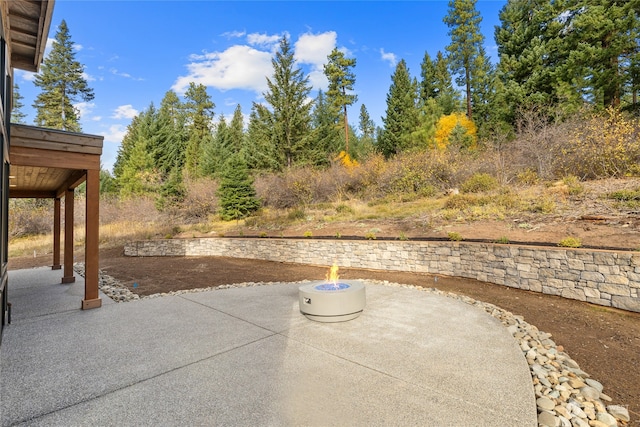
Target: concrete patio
247,357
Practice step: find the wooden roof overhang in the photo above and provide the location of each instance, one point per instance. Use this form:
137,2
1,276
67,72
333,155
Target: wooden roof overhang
26,28
44,163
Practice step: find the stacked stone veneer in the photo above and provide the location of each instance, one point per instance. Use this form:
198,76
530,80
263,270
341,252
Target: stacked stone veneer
609,278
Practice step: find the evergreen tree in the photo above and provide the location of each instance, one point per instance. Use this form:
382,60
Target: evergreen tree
62,84
287,94
199,113
259,151
216,150
366,125
126,146
341,79
236,192
326,136
401,115
171,150
428,84
236,131
466,41
136,169
17,115
446,95
172,191
137,176
601,35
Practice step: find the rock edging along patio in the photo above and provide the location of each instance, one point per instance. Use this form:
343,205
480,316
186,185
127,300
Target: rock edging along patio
604,277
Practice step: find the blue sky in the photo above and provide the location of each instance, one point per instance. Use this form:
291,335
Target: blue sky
135,51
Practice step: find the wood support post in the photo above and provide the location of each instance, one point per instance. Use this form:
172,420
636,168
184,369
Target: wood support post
56,234
68,276
92,241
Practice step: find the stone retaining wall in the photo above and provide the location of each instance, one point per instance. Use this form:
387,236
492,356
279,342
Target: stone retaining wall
608,278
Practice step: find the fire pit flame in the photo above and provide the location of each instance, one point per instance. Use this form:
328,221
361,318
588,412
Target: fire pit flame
332,275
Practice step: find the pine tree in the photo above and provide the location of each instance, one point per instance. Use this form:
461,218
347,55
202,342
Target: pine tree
172,191
258,150
447,97
428,84
63,84
401,115
199,112
236,131
602,35
325,136
171,151
341,79
287,94
216,150
366,125
17,115
236,193
466,40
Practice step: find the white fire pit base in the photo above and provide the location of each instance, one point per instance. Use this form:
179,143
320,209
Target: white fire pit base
332,302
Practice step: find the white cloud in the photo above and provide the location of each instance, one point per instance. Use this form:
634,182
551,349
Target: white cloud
27,76
389,57
314,48
88,77
233,34
125,112
115,72
265,40
84,108
238,67
115,134
77,47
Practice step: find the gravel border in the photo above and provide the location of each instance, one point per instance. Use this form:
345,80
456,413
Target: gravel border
566,396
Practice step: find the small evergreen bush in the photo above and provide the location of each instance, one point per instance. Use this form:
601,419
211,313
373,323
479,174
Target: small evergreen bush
237,195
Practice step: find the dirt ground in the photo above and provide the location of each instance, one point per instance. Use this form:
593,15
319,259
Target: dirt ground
605,342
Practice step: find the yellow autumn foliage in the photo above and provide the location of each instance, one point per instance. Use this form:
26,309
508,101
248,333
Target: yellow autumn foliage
345,160
446,126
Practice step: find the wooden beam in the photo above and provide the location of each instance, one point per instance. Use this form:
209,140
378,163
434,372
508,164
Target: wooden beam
67,274
56,234
23,156
31,194
76,178
92,238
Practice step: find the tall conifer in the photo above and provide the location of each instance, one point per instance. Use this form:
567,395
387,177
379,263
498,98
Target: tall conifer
464,20
288,97
341,80
63,84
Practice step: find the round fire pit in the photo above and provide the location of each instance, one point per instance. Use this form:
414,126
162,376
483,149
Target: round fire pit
332,302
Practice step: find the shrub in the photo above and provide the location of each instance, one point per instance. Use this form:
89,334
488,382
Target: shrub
30,217
605,145
503,240
370,235
454,236
455,129
461,201
625,195
570,242
308,234
479,182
